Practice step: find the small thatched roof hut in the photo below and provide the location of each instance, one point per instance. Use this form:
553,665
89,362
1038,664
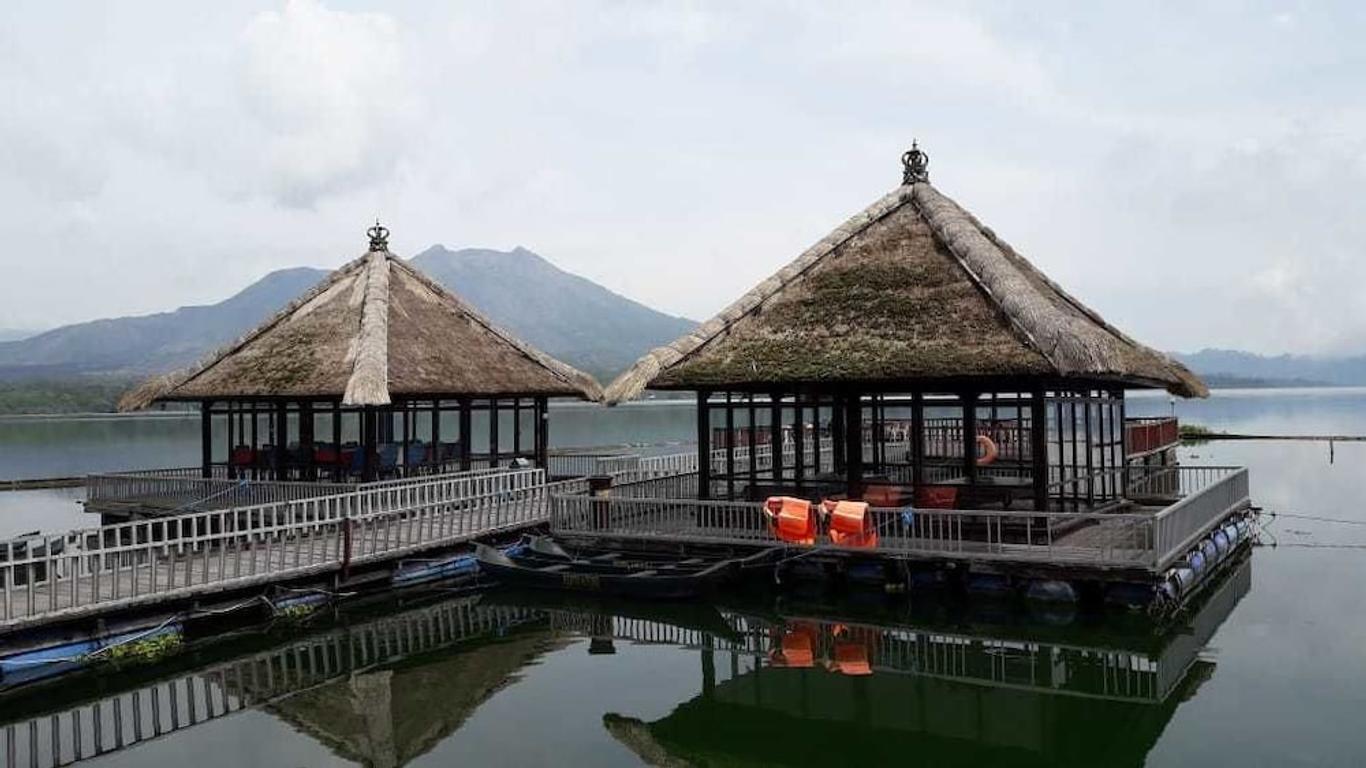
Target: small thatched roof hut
911,306
383,347
373,331
913,288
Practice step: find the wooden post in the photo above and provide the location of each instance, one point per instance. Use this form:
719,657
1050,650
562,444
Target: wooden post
1038,446
281,438
337,467
306,440
730,448
232,439
493,432
703,445
466,434
542,432
369,429
837,406
438,461
775,437
917,451
853,441
970,443
206,438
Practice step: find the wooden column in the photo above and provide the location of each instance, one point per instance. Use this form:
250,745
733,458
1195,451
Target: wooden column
970,440
775,436
730,448
917,451
542,432
853,442
703,445
466,434
493,432
232,438
281,438
337,468
1038,446
369,444
206,438
837,406
306,440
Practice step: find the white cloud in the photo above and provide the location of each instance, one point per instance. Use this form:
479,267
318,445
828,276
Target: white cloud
333,92
1197,181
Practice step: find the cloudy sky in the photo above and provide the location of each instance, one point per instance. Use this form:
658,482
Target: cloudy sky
1197,175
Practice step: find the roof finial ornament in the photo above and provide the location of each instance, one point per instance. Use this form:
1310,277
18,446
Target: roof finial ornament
915,165
379,237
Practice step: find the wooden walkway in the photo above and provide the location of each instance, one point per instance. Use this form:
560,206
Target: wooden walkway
115,568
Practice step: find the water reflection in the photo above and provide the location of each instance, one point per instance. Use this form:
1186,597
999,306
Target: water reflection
791,681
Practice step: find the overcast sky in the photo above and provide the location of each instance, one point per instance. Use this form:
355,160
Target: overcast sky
1198,176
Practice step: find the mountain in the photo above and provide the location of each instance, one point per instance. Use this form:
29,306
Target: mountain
566,315
1280,370
570,317
15,334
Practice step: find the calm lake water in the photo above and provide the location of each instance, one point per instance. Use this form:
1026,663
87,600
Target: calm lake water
1270,671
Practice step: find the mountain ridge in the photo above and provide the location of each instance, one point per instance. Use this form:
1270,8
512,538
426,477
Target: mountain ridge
565,315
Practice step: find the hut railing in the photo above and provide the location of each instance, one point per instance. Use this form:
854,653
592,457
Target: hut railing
1146,435
1142,539
51,576
182,489
1213,493
1123,541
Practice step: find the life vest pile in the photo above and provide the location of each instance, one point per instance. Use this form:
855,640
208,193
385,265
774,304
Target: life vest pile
791,519
850,523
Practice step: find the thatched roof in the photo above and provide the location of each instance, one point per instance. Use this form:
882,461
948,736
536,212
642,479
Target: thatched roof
912,289
374,330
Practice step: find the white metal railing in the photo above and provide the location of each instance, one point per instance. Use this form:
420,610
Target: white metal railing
177,490
1131,539
1125,540
1180,526
46,577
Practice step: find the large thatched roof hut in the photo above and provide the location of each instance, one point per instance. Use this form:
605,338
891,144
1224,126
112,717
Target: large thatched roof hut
912,298
381,343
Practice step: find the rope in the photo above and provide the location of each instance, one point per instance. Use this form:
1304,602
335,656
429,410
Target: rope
243,483
1317,518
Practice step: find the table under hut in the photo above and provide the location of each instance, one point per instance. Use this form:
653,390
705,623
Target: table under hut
376,372
911,357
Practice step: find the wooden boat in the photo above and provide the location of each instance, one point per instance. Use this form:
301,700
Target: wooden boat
544,564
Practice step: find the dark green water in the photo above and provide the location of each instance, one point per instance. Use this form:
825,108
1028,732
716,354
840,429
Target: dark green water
1271,670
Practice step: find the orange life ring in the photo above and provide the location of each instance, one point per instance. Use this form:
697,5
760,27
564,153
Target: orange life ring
989,451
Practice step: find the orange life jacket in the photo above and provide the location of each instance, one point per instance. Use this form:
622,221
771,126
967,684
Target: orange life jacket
851,659
796,650
791,519
850,523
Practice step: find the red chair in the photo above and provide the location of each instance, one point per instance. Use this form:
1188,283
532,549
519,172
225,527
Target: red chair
936,497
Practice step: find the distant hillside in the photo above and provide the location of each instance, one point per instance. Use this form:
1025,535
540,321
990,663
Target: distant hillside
570,317
1233,366
563,314
15,334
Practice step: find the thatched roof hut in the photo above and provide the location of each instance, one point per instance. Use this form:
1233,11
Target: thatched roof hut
374,331
912,289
